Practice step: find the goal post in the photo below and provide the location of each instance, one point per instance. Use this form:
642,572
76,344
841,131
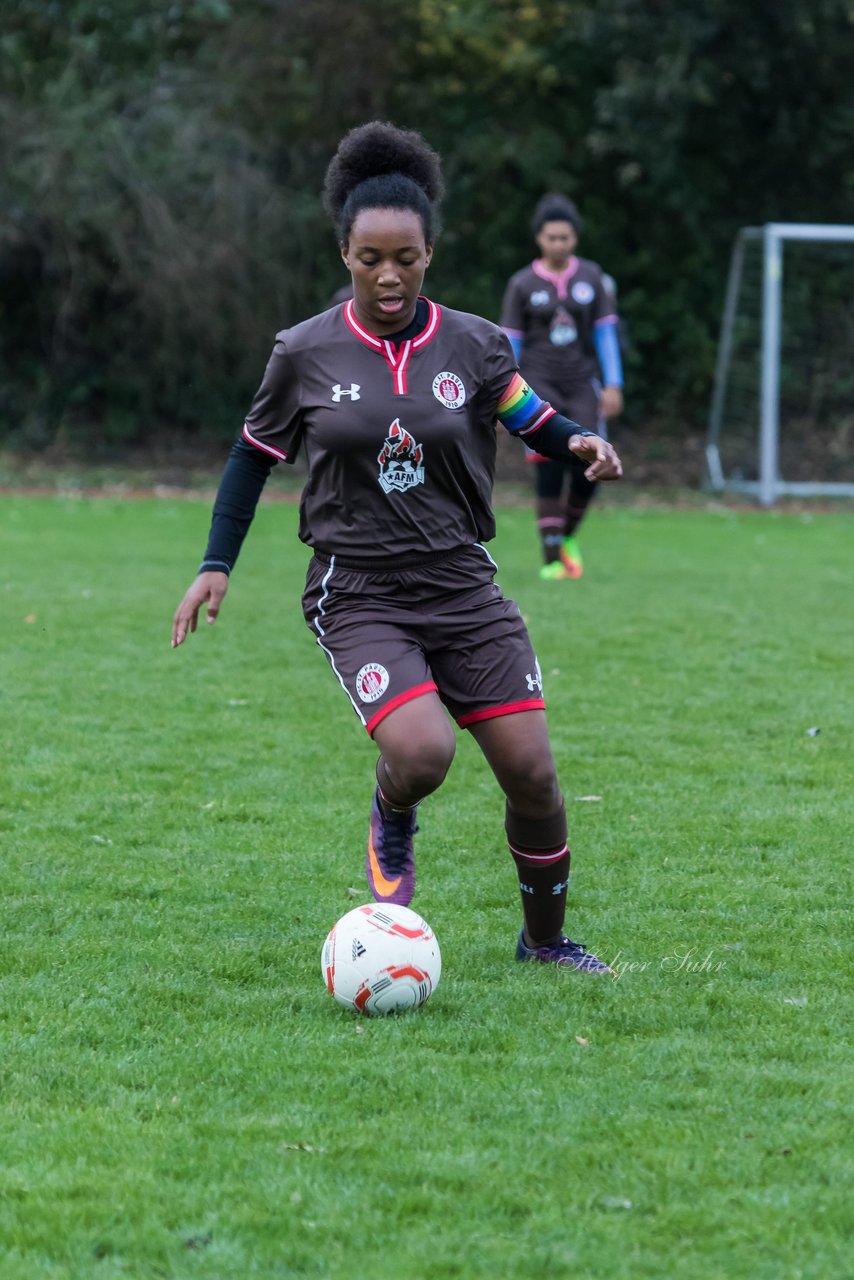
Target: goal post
781,420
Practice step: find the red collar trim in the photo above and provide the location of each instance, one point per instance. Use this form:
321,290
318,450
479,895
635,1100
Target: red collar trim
382,344
397,360
362,334
429,330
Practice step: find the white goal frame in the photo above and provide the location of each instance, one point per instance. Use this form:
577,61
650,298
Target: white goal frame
769,486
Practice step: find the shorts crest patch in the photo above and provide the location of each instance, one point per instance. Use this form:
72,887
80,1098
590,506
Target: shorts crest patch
449,390
372,681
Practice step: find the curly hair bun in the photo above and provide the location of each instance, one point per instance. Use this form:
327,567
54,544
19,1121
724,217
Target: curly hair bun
374,150
554,207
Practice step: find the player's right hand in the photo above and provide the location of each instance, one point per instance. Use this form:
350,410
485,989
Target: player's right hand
209,589
611,402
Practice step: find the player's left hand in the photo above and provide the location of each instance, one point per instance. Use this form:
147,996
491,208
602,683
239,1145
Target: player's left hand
604,463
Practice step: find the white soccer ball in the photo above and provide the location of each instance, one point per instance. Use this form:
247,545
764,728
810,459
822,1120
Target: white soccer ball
380,959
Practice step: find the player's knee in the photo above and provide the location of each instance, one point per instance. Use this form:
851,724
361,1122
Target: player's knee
429,765
533,785
420,765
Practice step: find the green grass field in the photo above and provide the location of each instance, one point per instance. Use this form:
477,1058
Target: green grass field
179,830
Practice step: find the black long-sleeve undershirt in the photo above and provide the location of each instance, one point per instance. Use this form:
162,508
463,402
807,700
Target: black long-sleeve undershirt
246,472
552,439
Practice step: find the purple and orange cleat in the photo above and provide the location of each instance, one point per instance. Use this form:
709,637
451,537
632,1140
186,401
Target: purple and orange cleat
572,955
390,861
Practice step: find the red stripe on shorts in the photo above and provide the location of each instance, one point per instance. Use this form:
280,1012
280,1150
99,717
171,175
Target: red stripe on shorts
509,709
417,691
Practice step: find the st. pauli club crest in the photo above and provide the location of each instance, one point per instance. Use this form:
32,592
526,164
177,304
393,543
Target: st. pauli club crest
371,681
449,390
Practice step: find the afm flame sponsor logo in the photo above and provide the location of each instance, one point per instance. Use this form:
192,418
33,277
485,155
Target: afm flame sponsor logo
401,460
562,330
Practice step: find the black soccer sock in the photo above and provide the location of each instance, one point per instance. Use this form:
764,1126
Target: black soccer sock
548,482
550,522
538,847
581,491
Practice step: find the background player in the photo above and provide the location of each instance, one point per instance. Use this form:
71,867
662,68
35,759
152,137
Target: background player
395,400
342,294
561,319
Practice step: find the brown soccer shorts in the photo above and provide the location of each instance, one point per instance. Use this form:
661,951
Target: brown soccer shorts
394,634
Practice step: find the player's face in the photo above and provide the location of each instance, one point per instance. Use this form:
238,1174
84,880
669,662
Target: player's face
387,256
556,241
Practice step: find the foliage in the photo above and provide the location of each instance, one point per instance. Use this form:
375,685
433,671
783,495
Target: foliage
159,199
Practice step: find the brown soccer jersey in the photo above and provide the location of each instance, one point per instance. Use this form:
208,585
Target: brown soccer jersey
400,440
555,316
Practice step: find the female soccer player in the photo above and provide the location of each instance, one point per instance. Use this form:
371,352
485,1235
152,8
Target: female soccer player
560,316
395,400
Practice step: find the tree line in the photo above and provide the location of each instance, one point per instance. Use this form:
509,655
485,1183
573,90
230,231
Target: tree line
160,213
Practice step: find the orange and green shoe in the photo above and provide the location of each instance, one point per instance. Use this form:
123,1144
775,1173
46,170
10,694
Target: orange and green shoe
570,558
554,571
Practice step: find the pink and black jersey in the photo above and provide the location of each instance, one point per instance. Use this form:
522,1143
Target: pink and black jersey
556,318
399,438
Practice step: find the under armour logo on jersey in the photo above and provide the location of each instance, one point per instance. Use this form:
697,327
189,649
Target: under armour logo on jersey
535,680
338,391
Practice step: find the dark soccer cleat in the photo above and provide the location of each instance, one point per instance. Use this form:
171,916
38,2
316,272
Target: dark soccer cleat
390,861
570,954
